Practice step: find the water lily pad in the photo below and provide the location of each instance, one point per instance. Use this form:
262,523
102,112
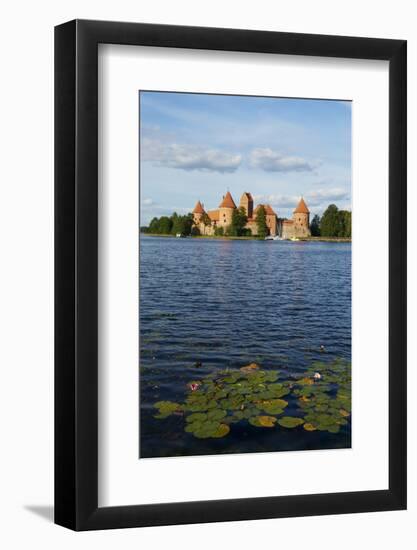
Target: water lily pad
221,431
249,368
334,428
216,414
290,421
167,407
309,427
193,427
263,421
276,411
344,413
273,406
306,381
271,376
196,417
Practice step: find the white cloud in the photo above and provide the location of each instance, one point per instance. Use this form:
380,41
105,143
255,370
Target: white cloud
283,201
274,161
147,202
320,198
188,157
319,195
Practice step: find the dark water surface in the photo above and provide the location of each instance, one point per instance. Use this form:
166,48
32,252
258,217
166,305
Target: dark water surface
206,305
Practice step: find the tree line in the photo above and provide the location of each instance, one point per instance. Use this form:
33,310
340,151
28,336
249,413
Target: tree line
170,225
333,223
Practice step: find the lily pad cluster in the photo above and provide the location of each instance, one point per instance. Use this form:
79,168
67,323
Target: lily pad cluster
256,396
326,401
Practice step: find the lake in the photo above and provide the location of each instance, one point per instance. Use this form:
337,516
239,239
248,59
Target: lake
207,305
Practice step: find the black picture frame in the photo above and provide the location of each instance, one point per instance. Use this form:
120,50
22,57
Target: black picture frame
76,272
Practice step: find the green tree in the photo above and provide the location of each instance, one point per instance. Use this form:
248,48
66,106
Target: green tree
165,225
219,231
330,224
175,223
154,225
181,225
239,220
261,222
188,223
346,223
315,226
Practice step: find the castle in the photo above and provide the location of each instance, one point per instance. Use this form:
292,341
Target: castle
208,222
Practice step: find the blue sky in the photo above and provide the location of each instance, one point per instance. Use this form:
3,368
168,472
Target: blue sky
198,146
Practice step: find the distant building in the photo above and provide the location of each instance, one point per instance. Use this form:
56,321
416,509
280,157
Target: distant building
207,222
298,226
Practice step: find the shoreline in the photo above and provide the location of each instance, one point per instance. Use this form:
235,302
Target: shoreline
252,238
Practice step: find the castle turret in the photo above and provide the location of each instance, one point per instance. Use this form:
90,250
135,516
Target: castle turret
198,213
246,202
226,208
301,219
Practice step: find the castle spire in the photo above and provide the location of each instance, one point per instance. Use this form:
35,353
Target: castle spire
198,209
302,208
227,201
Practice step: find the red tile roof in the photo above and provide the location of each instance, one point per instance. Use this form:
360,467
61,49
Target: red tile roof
227,201
213,215
198,209
301,208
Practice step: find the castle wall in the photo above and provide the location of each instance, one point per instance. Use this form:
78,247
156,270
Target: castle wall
301,225
252,226
197,218
206,229
271,222
225,217
287,230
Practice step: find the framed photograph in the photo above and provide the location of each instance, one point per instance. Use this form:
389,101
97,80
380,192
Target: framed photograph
230,335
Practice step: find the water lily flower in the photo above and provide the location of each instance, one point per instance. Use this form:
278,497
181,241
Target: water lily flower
194,386
317,376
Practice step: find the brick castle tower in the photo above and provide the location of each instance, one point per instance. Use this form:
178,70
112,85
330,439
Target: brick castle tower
301,219
246,202
226,208
198,213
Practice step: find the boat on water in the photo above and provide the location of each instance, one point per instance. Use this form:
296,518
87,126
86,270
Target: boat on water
294,239
269,238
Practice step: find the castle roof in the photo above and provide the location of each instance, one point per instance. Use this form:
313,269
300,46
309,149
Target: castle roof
213,215
268,209
198,209
290,222
227,201
301,208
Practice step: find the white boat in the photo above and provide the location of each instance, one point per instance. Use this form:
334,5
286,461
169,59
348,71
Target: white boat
269,238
